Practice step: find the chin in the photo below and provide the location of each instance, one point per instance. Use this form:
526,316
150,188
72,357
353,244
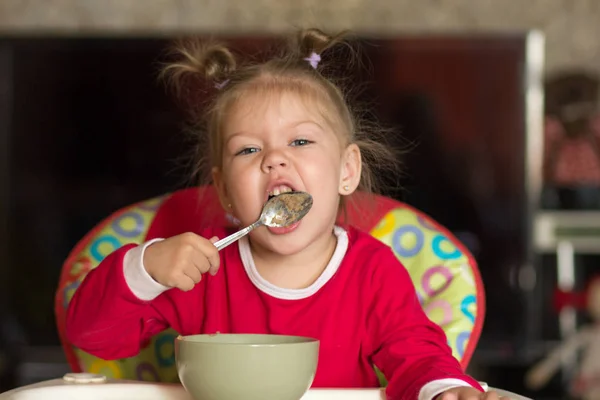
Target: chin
284,244
287,249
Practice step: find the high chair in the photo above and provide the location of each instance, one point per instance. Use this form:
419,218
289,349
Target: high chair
444,273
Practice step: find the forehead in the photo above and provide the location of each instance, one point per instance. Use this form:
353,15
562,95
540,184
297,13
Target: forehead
261,109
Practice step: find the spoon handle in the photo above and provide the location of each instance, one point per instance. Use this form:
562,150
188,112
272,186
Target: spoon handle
221,244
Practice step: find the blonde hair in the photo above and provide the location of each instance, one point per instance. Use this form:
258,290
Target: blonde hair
211,70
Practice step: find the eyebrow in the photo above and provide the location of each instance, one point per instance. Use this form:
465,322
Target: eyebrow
234,135
293,125
310,122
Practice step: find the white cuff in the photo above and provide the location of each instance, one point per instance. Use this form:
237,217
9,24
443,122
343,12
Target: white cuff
434,388
139,281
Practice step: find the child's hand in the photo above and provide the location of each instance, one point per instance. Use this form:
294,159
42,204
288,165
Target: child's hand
181,260
468,393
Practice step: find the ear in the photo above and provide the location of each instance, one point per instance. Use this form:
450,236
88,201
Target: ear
350,171
219,183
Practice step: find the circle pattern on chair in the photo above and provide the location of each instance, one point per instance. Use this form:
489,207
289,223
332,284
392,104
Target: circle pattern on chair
146,372
426,224
442,305
461,342
106,368
165,352
155,362
408,240
441,272
437,246
429,287
468,306
103,246
129,225
386,226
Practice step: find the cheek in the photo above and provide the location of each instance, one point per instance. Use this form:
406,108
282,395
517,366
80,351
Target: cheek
323,180
239,183
242,184
323,172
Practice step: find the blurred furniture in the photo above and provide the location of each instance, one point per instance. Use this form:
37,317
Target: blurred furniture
567,243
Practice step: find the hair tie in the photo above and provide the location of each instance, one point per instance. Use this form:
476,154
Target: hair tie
313,60
221,85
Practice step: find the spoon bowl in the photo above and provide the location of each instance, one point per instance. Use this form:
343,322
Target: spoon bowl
285,209
279,211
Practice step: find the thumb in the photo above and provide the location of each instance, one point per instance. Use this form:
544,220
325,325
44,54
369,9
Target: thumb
214,239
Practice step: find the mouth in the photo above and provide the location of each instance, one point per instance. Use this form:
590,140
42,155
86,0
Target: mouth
285,229
277,190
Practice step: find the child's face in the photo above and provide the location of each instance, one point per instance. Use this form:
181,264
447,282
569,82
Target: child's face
281,142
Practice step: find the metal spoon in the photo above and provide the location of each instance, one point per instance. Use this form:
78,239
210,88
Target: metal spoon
279,211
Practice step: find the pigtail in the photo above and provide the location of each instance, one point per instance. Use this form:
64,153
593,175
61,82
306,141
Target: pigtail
310,45
196,62
315,40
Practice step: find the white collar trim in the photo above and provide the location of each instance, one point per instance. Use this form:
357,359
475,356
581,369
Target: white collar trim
294,294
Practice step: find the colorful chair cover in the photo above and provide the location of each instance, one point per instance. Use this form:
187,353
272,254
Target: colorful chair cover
444,273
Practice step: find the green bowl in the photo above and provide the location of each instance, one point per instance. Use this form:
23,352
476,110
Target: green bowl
246,366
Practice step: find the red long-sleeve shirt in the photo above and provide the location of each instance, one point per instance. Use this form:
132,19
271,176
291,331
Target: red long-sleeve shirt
363,309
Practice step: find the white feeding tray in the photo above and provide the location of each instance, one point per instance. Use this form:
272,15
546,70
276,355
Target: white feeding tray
97,387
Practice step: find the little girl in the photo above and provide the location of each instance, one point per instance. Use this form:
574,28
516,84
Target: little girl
274,127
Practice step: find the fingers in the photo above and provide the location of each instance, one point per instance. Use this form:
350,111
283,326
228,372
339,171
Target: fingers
494,396
194,273
203,254
491,396
180,261
206,257
471,396
185,283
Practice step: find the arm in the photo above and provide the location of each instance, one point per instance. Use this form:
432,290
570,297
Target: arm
118,306
408,348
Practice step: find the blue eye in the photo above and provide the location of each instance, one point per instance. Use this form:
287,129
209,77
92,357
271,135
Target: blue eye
301,142
246,151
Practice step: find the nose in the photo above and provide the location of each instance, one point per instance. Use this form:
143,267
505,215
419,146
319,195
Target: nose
274,159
